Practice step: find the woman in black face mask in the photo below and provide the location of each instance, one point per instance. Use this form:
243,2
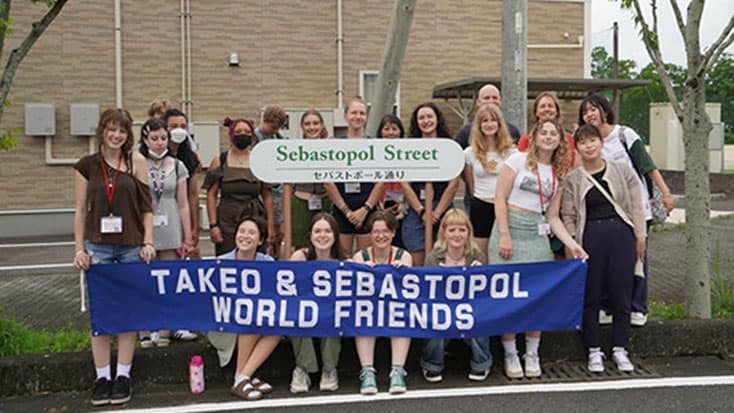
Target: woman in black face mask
229,176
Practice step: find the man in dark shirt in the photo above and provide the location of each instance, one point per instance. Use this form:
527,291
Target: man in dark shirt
487,94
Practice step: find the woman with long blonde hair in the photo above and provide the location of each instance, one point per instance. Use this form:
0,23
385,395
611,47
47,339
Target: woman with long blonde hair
491,145
525,188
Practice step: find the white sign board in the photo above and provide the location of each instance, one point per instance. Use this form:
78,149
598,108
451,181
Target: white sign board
357,160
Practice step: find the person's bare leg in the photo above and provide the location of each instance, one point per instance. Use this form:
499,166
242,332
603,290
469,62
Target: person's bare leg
245,345
101,351
365,350
347,243
399,347
259,354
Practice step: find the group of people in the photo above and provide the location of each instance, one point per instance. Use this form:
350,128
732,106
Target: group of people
530,198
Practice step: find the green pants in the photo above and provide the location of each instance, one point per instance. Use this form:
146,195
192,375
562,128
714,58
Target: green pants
305,353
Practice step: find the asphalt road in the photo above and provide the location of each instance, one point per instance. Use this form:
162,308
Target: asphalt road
682,384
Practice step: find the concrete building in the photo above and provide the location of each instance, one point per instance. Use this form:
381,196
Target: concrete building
288,55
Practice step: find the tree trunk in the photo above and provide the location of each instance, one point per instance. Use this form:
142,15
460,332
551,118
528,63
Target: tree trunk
696,127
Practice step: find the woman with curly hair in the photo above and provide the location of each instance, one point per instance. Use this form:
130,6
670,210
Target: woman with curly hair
525,188
426,122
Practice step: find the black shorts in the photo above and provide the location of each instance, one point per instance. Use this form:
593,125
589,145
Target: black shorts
481,215
346,227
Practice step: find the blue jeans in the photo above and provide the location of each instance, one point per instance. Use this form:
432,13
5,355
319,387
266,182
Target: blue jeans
111,253
433,352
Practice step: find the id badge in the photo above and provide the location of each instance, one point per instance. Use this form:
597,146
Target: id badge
111,225
422,196
160,220
351,187
544,229
314,204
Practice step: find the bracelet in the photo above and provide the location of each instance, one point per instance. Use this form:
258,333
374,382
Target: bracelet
149,244
80,252
191,245
367,206
421,212
212,226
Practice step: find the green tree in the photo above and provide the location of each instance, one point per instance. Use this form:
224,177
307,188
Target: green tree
720,88
16,56
690,109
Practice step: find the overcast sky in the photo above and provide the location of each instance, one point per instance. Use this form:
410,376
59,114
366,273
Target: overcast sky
716,15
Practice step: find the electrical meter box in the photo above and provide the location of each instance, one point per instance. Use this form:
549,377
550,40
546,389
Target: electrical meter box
83,118
40,119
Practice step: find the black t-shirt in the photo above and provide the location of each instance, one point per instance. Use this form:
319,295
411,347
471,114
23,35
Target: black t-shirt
597,205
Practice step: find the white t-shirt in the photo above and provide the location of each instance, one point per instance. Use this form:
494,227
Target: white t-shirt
613,150
485,181
525,193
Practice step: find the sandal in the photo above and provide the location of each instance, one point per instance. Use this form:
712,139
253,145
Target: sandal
261,385
246,391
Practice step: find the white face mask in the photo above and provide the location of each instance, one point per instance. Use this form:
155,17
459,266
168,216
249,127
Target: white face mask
179,135
157,156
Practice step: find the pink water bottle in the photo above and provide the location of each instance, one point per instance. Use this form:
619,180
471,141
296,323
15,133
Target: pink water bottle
196,374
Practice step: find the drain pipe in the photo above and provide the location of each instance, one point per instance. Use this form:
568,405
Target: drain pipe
189,102
118,55
182,17
339,57
51,161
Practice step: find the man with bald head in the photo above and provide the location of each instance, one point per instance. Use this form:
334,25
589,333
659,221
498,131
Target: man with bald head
487,94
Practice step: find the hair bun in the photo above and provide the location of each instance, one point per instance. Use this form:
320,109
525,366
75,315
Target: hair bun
227,122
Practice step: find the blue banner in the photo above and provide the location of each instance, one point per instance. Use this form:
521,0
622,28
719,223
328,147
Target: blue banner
331,298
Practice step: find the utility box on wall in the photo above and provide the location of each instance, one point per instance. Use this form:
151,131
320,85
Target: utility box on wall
666,138
40,119
84,118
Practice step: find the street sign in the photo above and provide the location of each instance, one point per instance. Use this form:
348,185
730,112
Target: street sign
357,160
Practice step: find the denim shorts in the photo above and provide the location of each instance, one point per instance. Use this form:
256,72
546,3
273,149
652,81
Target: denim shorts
111,253
414,231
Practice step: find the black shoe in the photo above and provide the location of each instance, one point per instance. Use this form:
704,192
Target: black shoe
432,376
122,390
478,375
101,392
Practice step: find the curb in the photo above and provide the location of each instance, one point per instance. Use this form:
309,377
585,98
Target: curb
32,374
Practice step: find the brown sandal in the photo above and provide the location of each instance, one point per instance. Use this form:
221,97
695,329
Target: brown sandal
246,391
261,385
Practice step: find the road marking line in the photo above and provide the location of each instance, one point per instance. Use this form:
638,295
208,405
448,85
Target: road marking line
51,266
51,244
453,392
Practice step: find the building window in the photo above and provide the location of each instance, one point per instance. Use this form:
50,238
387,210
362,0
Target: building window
367,82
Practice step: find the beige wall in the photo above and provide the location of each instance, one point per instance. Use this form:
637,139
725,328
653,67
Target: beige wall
288,57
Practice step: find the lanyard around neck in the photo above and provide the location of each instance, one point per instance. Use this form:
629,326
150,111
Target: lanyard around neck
110,187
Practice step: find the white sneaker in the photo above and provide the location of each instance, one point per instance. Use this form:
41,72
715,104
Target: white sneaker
638,319
300,381
513,369
623,362
604,318
596,362
329,380
532,365
185,335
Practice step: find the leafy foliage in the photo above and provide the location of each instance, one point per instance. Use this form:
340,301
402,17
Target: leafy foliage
635,102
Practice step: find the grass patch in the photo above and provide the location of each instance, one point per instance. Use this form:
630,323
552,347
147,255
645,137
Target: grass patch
664,311
722,287
19,338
